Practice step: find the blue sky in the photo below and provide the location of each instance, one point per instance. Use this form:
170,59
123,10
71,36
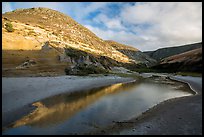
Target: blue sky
146,26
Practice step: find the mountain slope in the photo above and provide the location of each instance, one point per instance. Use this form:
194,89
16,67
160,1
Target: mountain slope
190,61
47,41
162,53
51,25
133,53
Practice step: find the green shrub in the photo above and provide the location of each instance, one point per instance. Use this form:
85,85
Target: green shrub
84,69
73,53
91,69
9,27
67,71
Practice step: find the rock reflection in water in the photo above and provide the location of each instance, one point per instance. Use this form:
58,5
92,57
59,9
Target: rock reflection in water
59,108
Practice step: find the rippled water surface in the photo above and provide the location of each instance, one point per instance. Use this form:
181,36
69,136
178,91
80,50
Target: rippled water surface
86,111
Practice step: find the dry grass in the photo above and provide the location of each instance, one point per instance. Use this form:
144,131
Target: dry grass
70,30
189,55
47,62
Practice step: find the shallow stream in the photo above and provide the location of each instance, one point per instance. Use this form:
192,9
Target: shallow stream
87,111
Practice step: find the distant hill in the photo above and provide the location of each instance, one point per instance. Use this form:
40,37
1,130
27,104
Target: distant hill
190,61
162,53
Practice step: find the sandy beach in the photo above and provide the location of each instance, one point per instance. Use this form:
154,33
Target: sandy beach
179,116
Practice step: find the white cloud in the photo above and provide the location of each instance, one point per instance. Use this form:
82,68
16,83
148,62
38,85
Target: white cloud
118,36
111,23
171,23
114,24
6,7
95,6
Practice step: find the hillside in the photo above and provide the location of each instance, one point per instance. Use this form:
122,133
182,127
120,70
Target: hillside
190,61
133,54
162,53
47,42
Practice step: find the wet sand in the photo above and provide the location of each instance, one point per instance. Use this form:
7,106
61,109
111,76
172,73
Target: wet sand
19,93
179,116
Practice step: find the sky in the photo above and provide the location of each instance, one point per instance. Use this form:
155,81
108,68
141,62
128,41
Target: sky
144,25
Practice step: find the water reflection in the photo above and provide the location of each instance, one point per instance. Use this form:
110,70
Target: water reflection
85,111
59,108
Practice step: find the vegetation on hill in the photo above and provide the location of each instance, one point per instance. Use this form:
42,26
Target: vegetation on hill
9,27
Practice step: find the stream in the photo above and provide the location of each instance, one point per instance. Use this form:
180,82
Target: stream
90,110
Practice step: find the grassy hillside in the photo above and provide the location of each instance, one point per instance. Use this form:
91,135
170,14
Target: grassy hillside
162,53
190,61
44,35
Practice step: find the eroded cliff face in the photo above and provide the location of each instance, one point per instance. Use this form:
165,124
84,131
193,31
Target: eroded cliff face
45,41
